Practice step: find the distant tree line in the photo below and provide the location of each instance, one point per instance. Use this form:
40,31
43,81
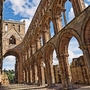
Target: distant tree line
11,75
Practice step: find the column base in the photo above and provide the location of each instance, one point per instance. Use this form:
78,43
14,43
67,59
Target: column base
69,88
51,85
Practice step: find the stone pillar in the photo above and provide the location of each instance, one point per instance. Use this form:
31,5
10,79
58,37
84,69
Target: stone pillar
33,74
57,23
46,34
65,71
52,72
39,74
62,73
16,71
33,49
42,73
0,71
86,55
78,6
20,72
48,73
29,76
25,76
36,79
56,73
38,43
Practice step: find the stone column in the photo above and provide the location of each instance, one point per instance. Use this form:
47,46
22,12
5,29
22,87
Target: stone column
86,55
33,49
58,23
0,68
68,77
46,34
33,74
52,72
65,71
28,75
36,79
62,73
38,43
56,74
42,73
16,72
25,76
48,74
39,74
20,72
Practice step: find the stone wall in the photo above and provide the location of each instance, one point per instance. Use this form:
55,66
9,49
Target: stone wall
79,70
13,34
4,79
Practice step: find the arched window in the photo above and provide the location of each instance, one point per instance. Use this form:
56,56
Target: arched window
12,40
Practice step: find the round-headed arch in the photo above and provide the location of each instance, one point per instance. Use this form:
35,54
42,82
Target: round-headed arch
14,53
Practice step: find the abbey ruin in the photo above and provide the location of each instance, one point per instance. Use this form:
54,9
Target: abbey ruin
34,50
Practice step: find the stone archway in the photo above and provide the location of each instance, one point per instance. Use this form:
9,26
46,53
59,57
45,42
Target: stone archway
18,65
41,68
49,63
64,40
85,35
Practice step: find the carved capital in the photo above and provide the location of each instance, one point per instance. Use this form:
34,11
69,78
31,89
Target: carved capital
57,16
84,46
45,31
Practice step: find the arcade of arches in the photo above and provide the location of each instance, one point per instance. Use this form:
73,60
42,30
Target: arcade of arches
34,52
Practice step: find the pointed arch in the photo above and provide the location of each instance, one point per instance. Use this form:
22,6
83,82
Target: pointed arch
65,37
12,40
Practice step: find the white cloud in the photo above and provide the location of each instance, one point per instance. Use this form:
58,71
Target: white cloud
73,55
86,4
27,23
25,9
9,63
74,50
70,14
55,60
88,0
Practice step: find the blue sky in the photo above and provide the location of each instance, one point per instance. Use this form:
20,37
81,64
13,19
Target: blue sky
20,10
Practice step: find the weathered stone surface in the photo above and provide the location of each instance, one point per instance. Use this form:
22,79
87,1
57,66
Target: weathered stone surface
34,52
